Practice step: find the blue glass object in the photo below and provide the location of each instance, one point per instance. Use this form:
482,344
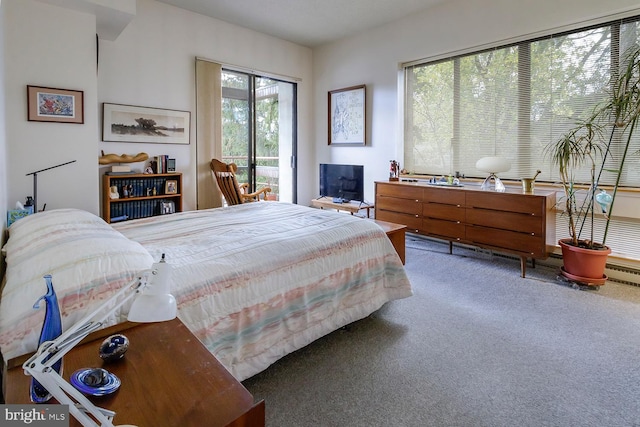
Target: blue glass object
51,329
95,381
114,347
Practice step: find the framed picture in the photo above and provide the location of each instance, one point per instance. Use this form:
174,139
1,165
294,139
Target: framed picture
129,123
171,186
347,113
46,104
167,207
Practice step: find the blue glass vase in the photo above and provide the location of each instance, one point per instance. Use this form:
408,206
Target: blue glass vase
51,329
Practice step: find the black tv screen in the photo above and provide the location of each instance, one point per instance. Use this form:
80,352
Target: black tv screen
344,182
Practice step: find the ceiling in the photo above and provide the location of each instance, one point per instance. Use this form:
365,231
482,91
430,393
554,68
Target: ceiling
306,22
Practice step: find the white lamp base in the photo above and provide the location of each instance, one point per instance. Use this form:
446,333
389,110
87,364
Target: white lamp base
499,186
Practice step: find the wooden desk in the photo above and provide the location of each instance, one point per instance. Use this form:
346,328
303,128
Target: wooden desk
395,233
168,379
352,207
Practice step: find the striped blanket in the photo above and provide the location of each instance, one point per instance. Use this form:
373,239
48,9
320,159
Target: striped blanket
257,281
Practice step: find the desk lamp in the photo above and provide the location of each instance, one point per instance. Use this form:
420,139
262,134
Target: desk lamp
493,165
153,303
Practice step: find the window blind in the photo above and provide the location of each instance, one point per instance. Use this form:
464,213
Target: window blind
512,101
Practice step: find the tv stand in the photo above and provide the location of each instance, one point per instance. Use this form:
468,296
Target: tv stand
349,206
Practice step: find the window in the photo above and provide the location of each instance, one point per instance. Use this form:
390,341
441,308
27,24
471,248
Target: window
510,101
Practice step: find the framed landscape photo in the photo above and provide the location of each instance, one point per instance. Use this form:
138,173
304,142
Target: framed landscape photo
46,104
347,113
130,123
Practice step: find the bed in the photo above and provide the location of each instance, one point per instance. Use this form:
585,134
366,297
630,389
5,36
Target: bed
253,282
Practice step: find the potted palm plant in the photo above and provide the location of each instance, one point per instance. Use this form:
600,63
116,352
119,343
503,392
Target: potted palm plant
600,145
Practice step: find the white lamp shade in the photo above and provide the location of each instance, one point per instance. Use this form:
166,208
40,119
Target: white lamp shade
153,308
155,303
493,164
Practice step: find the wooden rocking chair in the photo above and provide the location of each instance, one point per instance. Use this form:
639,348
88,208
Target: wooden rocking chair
234,193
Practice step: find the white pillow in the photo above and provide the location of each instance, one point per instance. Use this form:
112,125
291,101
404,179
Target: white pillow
88,260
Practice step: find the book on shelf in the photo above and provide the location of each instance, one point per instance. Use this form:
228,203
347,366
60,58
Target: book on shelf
161,163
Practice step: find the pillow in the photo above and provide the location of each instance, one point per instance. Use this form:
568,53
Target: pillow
88,260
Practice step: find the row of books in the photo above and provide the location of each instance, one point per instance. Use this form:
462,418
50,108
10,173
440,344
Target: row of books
163,164
140,209
140,187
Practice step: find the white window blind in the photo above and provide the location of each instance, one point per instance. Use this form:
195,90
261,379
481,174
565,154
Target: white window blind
512,101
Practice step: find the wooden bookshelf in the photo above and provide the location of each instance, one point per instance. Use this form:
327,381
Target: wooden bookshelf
140,195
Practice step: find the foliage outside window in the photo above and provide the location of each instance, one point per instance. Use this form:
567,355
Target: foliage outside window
510,101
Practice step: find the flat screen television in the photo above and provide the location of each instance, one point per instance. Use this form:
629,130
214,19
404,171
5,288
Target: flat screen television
343,183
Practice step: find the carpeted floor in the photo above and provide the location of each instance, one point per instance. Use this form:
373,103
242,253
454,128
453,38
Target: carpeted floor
477,345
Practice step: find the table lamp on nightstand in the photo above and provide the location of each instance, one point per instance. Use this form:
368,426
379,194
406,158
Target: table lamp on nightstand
152,303
493,165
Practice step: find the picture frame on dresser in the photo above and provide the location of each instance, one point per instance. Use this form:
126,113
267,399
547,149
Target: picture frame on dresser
347,116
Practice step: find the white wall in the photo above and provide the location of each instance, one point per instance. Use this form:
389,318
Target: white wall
53,47
152,63
373,58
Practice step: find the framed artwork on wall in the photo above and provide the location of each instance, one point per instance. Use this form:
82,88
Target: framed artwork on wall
347,116
47,104
130,123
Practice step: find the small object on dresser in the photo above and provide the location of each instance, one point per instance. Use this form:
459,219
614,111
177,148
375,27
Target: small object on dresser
114,347
394,170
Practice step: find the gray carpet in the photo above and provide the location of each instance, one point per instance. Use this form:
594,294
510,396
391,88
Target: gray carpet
477,345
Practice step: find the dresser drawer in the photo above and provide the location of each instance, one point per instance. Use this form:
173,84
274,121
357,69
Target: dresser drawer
446,212
509,202
523,243
395,204
413,222
450,230
449,196
520,222
400,191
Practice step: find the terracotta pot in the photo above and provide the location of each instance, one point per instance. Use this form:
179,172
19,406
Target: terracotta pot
584,263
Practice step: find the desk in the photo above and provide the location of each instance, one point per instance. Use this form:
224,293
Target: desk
352,207
168,379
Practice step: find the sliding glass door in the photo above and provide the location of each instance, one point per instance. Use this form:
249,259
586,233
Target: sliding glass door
259,131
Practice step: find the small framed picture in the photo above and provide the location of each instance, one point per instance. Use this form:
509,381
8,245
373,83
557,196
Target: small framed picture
171,187
46,104
167,207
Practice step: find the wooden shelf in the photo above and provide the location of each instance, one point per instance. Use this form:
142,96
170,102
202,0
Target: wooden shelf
140,205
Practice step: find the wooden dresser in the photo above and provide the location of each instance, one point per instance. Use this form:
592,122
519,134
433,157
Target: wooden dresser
511,222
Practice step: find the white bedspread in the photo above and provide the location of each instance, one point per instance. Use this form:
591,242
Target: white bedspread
253,282
257,281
